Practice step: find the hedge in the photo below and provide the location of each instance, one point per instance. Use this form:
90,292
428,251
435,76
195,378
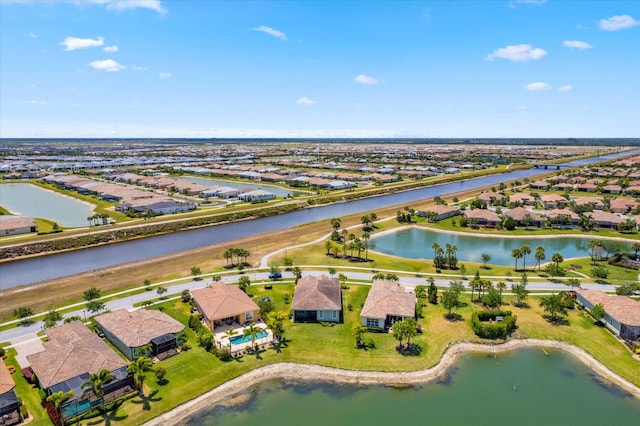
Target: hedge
493,330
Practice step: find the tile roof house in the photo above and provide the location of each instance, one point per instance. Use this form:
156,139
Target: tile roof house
522,198
524,217
439,212
563,217
540,184
623,205
482,217
605,219
128,331
387,302
490,197
224,303
622,314
596,202
9,402
552,201
612,189
317,298
14,225
70,355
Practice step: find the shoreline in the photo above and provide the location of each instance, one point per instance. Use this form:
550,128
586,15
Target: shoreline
310,372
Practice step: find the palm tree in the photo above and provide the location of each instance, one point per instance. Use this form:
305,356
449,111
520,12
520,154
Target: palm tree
501,286
230,332
97,381
252,331
365,237
436,249
344,233
58,398
636,248
539,255
525,250
516,253
138,368
358,333
485,259
275,321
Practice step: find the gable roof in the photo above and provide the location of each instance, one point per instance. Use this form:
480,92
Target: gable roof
388,298
317,293
222,301
72,350
6,381
624,309
139,327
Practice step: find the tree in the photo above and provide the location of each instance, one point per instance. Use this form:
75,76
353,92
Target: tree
275,321
230,332
138,368
501,286
405,330
420,292
344,233
594,245
636,248
450,298
335,223
51,318
196,272
91,294
265,303
23,313
366,237
539,256
252,331
288,263
598,312
525,250
516,253
95,306
520,290
485,259
432,292
97,381
186,296
493,298
332,271
573,282
600,271
243,283
366,221
161,290
160,372
358,333
343,279
554,305
297,273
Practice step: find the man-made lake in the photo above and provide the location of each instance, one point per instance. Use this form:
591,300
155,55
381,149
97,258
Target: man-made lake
279,191
32,201
415,243
523,387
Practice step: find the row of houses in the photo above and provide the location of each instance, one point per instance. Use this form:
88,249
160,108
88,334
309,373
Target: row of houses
553,201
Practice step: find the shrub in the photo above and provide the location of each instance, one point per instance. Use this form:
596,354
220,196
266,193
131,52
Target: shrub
492,330
224,354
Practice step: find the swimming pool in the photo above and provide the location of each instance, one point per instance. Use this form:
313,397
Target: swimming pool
236,340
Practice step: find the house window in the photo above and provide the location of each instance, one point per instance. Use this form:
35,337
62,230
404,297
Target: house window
320,314
335,314
248,316
372,322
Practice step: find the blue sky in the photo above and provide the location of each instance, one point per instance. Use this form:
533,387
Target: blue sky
151,68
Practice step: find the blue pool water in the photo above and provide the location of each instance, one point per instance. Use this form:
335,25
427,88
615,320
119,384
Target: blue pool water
236,340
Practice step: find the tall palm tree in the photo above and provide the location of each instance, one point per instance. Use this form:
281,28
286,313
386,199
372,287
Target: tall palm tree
138,368
230,332
636,248
525,250
275,322
539,255
516,253
365,237
97,381
501,286
344,233
58,398
252,331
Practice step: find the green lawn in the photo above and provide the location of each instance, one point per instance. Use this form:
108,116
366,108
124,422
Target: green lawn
27,393
194,372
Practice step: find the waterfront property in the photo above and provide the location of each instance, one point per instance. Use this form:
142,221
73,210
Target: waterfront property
238,341
15,225
128,331
622,314
222,304
317,298
71,354
387,302
438,212
9,402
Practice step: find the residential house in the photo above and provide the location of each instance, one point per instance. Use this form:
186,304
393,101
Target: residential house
129,331
482,217
9,402
595,202
387,302
563,218
552,201
69,356
623,205
317,298
605,219
438,212
622,314
524,217
611,189
490,197
540,184
256,196
562,186
15,225
221,303
586,187
522,198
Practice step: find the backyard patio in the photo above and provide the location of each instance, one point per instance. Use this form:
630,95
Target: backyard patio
236,343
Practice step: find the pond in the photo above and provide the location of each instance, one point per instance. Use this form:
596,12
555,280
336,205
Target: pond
32,201
279,191
415,243
523,387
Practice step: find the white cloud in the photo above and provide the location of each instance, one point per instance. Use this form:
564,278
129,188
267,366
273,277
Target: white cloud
518,53
305,101
618,22
577,44
271,31
33,102
537,86
365,79
108,65
132,4
164,75
137,68
32,35
111,49
566,88
75,43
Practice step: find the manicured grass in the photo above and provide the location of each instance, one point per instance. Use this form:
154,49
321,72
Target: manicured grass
44,225
617,274
27,393
194,372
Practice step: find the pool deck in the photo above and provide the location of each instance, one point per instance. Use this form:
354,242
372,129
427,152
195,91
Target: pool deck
222,340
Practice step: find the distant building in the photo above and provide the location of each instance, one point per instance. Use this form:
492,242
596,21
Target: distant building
317,298
257,195
15,225
622,313
439,212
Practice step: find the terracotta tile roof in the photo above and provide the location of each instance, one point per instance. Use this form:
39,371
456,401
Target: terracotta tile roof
317,293
222,301
72,350
6,381
139,327
553,198
624,309
388,298
13,222
520,213
562,212
604,217
441,209
482,214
